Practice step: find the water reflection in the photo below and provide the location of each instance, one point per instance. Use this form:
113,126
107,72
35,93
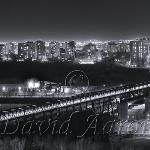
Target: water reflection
52,143
61,143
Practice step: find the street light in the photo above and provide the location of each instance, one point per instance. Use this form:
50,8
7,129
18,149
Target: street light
19,88
31,84
4,91
4,88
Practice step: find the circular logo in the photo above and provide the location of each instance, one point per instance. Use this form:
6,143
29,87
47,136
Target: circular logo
77,78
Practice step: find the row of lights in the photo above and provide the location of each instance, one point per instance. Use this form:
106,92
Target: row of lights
63,104
31,84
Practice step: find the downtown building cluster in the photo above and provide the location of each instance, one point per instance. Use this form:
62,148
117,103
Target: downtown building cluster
130,53
36,51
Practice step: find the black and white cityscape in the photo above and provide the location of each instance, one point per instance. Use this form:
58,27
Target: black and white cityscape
66,92
74,75
128,53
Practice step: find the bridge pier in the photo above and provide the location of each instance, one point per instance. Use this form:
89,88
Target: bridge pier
123,111
147,107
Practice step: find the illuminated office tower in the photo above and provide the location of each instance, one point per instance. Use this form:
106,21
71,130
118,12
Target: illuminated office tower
30,50
2,51
40,50
15,48
138,51
63,55
71,47
124,47
21,51
48,52
113,47
55,49
26,51
10,50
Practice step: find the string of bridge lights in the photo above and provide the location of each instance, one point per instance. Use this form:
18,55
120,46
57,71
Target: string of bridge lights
68,103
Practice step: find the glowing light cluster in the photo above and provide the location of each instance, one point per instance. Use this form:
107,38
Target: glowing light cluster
33,84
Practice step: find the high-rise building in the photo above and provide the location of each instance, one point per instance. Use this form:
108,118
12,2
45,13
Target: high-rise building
124,47
40,50
48,52
113,47
70,49
30,50
147,43
55,49
21,51
10,50
63,55
2,50
139,51
26,51
15,48
65,51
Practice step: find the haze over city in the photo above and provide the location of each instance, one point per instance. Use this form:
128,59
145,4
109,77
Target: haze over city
75,20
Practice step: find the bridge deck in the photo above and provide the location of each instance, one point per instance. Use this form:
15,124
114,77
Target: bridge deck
82,98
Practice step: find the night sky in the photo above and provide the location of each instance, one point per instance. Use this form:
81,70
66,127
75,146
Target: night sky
73,19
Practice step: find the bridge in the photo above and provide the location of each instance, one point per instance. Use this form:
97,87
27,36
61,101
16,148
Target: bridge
112,100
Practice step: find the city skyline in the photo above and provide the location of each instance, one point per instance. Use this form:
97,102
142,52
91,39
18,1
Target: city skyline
129,53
